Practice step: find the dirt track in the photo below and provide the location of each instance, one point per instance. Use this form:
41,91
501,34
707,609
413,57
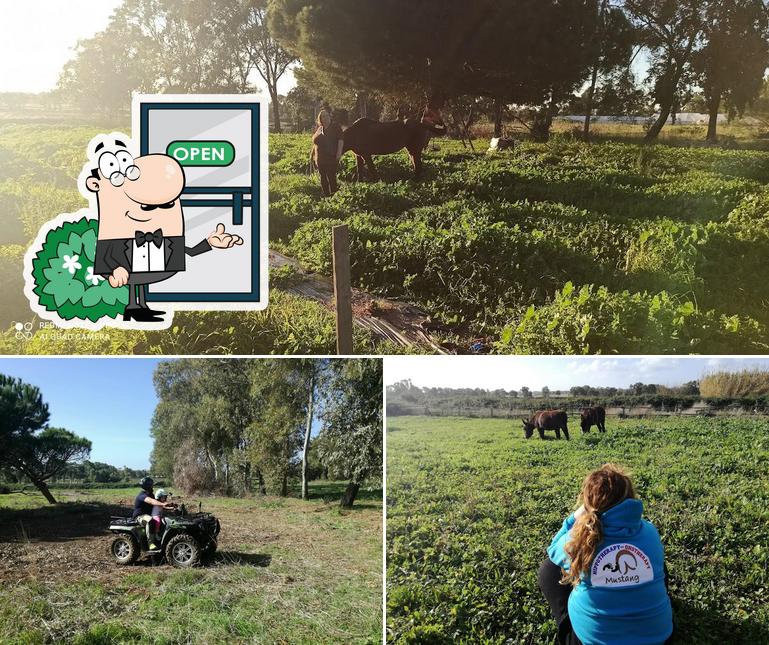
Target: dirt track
70,542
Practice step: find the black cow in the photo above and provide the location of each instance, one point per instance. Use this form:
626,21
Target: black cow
595,416
546,420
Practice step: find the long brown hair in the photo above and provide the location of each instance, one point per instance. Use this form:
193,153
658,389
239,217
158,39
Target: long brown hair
602,489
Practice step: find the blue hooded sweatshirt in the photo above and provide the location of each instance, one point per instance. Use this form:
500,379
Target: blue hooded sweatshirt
622,600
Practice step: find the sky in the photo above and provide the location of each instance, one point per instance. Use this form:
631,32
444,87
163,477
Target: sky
38,36
556,372
33,64
107,400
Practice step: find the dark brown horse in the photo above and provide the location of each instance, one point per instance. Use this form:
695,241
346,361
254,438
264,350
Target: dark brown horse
595,416
367,137
546,420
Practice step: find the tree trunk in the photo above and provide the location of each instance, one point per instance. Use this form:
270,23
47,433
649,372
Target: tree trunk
307,428
214,466
589,103
670,83
713,105
260,482
657,126
275,109
466,127
284,485
552,108
349,495
43,488
497,118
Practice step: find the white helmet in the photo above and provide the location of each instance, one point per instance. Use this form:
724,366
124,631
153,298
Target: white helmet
161,493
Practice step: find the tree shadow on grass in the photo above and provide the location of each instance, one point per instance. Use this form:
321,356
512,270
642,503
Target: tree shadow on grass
60,522
333,491
358,506
697,624
234,558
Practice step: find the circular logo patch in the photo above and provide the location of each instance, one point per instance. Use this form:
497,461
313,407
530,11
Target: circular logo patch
620,565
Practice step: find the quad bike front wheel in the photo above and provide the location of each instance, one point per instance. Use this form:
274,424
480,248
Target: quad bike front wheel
124,549
183,551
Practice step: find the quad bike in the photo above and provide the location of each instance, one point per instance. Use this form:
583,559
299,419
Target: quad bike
185,541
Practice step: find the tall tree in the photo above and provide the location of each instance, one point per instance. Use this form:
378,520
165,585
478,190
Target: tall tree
276,432
735,56
352,423
27,444
514,51
183,46
186,46
43,456
202,413
612,45
313,372
258,48
104,71
672,31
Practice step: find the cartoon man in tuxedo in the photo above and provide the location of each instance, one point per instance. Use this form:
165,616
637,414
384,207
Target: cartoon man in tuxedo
141,226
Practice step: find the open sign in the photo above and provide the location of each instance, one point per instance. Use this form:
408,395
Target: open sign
202,153
220,140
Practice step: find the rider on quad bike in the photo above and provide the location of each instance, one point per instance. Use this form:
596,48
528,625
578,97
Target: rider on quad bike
157,522
144,509
186,539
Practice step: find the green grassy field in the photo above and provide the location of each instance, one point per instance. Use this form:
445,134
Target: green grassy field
286,571
472,506
40,164
558,247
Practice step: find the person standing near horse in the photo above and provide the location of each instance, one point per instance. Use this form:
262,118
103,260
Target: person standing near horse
326,151
605,578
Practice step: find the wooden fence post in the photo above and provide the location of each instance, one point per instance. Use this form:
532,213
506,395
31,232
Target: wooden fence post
342,288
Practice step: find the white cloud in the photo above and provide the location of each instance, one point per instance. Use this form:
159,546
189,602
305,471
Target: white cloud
557,372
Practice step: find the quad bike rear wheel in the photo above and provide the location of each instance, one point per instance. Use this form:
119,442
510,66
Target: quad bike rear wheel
124,549
183,551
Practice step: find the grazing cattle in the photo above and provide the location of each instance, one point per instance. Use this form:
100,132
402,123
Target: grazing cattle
367,137
595,416
546,420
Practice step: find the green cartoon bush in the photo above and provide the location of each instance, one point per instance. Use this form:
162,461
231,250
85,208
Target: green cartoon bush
64,279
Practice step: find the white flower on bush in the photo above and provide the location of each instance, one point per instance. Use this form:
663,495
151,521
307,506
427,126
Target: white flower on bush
90,277
71,263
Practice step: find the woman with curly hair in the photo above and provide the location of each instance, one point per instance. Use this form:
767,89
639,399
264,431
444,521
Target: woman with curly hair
605,577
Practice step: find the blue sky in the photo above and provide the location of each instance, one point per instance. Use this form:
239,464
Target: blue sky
556,372
107,400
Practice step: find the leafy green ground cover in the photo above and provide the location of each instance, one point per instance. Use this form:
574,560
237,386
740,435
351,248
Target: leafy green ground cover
40,164
472,505
287,571
559,247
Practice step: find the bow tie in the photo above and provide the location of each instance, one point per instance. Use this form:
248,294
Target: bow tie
156,238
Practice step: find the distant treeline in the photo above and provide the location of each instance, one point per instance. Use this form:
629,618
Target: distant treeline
703,56
10,487
720,390
88,474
